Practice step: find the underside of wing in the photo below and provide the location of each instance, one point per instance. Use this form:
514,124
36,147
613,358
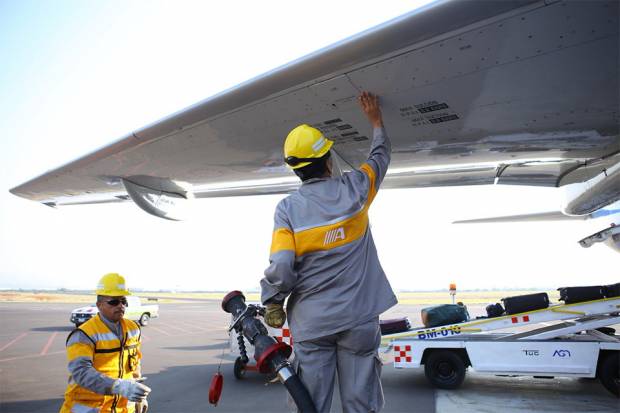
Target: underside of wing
473,93
539,216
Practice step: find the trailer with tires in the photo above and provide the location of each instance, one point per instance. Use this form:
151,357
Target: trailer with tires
571,340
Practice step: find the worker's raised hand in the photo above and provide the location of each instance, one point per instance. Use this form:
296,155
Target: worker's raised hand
370,106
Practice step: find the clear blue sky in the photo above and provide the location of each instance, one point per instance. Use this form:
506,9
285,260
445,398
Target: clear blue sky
76,75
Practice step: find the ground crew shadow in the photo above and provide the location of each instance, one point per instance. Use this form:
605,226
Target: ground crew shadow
404,387
186,388
218,346
32,406
53,329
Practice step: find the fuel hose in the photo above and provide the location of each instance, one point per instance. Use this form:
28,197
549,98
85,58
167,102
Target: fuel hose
271,356
297,390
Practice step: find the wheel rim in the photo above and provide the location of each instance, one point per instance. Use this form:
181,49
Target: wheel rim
445,371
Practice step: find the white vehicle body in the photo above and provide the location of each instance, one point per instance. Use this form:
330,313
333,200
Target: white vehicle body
573,347
135,311
573,355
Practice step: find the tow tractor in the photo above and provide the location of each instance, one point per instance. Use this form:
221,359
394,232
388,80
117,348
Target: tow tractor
574,340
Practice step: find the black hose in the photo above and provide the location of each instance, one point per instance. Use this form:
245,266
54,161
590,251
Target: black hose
266,348
298,392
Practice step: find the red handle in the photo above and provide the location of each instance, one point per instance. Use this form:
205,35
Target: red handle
215,390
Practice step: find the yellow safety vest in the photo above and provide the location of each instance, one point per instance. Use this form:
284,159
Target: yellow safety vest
108,358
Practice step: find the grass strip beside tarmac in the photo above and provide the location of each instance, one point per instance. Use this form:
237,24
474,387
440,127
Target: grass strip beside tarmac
411,298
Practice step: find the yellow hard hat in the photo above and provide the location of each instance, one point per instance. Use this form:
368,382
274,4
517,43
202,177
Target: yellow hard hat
303,145
112,284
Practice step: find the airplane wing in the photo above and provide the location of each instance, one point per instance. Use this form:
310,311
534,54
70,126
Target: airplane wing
533,217
516,92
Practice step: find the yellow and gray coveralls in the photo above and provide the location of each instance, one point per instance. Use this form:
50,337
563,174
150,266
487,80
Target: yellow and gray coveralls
99,352
323,256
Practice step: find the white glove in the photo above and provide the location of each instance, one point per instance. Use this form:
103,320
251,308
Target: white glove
142,406
130,389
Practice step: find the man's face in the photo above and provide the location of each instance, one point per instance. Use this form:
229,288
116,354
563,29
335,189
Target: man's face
110,311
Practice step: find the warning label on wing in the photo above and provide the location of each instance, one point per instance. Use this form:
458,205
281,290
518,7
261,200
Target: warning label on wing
443,118
339,131
428,113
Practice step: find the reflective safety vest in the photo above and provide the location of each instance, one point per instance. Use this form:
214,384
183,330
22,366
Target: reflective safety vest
111,357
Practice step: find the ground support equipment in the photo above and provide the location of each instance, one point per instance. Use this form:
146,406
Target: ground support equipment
571,340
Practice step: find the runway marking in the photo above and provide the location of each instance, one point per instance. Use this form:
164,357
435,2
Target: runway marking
192,326
178,328
48,344
29,356
160,330
15,340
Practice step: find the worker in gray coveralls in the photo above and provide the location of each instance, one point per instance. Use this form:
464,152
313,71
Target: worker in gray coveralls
324,259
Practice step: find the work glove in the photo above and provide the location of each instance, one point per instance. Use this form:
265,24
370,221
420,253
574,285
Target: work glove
142,406
131,389
275,315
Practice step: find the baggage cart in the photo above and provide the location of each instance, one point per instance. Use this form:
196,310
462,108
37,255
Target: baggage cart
578,344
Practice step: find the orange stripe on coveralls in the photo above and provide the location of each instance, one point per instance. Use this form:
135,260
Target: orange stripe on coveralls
331,236
281,240
326,237
372,176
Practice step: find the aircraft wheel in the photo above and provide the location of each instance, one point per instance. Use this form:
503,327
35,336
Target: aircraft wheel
144,319
239,369
445,369
609,374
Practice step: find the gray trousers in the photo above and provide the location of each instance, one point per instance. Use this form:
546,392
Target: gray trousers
351,353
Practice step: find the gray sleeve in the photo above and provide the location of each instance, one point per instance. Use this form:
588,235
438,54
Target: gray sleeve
82,371
280,276
380,154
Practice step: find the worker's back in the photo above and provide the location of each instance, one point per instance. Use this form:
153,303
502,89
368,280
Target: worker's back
340,282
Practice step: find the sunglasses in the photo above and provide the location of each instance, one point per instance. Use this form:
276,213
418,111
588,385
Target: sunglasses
116,301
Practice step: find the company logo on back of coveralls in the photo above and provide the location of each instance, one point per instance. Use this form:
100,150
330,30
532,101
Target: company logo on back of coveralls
334,235
561,353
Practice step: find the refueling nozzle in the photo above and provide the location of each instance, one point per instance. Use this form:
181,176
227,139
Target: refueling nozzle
271,356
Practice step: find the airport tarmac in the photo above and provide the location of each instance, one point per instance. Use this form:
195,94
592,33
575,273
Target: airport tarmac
184,347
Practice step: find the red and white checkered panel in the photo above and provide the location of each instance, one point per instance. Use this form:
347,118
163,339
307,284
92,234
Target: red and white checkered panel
402,355
522,319
283,335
